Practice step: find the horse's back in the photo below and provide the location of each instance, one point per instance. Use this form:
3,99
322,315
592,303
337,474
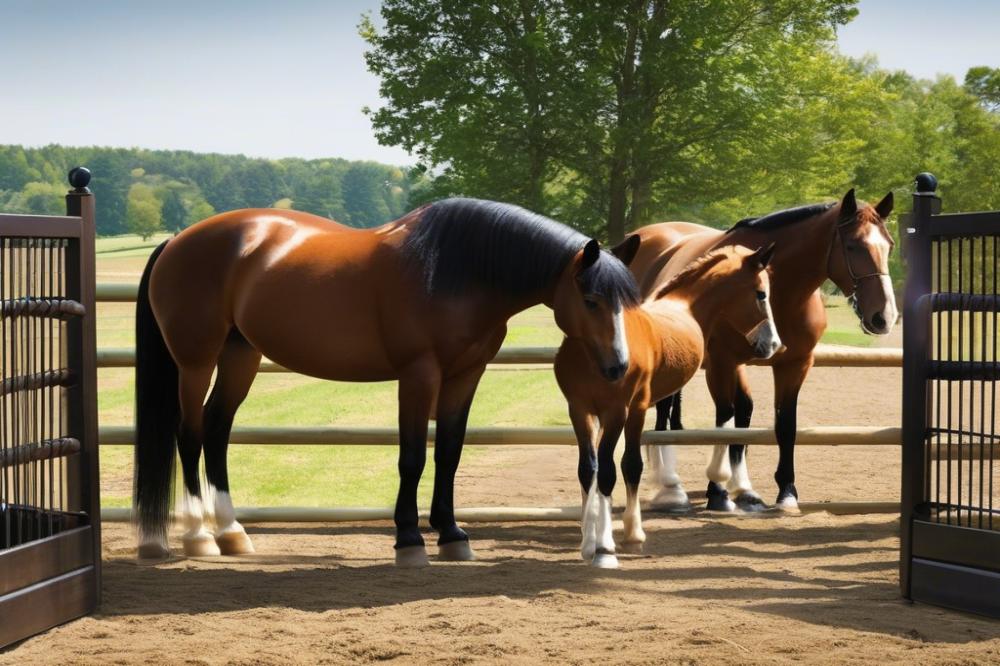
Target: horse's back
666,248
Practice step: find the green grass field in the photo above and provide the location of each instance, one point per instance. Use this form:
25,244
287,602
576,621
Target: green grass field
335,475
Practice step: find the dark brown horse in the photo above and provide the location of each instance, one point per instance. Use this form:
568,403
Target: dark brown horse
423,300
844,242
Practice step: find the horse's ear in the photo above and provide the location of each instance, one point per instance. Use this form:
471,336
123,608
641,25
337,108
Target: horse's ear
625,251
884,207
591,253
763,256
849,205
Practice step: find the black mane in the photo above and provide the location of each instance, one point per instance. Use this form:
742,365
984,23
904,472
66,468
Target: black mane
782,217
460,243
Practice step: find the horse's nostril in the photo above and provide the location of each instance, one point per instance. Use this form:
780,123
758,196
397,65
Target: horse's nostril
878,320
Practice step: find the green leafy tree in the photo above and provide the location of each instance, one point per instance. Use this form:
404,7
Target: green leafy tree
174,213
984,83
199,210
143,211
364,188
593,111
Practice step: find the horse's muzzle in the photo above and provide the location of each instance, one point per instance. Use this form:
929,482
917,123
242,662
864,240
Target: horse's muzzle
615,372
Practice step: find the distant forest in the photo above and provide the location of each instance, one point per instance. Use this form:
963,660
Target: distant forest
148,191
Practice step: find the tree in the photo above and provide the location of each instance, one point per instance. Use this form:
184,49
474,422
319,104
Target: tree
590,110
984,83
143,211
174,213
199,210
364,189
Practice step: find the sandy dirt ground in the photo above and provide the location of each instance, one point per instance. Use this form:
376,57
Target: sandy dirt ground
768,588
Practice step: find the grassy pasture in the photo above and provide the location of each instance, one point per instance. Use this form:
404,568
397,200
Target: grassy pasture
334,475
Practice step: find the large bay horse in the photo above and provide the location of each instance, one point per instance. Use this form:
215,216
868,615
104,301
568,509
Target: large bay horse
666,343
423,300
843,241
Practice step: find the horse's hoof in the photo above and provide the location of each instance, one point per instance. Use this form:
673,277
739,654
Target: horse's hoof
235,542
605,561
788,504
412,557
750,502
201,544
671,499
633,546
456,551
721,503
153,550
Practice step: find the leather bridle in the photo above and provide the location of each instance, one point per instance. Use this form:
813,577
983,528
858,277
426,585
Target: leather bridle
855,278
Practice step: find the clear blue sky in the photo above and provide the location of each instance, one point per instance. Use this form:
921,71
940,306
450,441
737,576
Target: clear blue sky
278,78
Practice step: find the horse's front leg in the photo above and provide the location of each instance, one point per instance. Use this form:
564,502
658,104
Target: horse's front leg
598,507
454,401
632,472
740,488
789,375
418,388
721,378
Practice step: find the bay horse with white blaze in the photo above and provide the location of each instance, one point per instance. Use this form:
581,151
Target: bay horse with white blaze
423,300
666,343
845,242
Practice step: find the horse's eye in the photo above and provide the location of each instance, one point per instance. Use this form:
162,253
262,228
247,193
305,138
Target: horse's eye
761,295
590,303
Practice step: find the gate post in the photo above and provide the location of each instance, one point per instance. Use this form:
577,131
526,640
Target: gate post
916,241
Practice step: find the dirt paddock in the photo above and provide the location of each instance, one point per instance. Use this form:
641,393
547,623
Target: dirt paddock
814,588
768,588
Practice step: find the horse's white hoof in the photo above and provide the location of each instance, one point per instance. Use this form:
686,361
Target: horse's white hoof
605,561
671,499
153,550
200,544
234,542
412,557
456,551
788,505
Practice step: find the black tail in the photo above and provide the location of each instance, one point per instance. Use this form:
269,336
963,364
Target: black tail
157,415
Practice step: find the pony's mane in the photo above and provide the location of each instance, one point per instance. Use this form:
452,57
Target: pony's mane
461,243
782,217
695,269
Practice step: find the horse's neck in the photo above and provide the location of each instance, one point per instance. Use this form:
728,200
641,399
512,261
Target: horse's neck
703,300
802,253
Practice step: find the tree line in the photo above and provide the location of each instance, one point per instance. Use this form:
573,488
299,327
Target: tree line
614,114
147,191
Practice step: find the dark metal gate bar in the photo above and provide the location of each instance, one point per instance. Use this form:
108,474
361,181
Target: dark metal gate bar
49,505
951,447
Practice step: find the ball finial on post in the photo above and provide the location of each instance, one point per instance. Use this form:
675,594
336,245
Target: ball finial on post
926,183
79,178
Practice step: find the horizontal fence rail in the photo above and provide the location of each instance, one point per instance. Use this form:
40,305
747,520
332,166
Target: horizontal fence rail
559,436
826,356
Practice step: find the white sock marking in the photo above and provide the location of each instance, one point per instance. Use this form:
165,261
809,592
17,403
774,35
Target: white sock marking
605,538
719,469
588,546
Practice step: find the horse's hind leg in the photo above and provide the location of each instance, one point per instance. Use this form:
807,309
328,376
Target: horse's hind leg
193,385
238,365
663,460
454,401
739,486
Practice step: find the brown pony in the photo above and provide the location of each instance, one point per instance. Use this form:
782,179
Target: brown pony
666,343
423,300
845,242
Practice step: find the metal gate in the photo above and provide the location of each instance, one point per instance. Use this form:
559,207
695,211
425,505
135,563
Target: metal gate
50,542
950,492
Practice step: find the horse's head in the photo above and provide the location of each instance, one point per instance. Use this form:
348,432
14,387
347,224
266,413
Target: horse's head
590,300
859,262
748,290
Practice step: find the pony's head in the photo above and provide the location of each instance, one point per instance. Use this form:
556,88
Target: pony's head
859,262
732,283
590,300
